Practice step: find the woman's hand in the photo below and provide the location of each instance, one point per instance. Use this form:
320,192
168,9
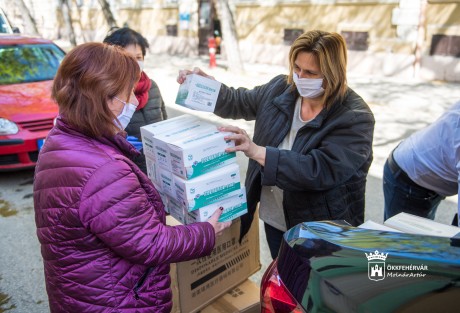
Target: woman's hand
244,143
218,226
196,70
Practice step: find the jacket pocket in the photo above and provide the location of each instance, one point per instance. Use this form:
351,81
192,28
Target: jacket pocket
141,282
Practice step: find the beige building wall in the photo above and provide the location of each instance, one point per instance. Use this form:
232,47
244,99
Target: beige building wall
261,28
397,29
442,17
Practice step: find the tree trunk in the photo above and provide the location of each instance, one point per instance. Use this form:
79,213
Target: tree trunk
29,21
80,25
108,13
67,16
230,37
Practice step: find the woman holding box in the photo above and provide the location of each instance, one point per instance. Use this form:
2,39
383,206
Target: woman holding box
312,144
100,221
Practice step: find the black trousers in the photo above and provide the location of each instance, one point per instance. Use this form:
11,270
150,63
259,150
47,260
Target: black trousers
274,237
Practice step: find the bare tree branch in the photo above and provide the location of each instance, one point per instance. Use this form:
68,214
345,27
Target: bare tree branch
106,10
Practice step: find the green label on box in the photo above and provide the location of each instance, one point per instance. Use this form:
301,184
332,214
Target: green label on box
213,195
209,164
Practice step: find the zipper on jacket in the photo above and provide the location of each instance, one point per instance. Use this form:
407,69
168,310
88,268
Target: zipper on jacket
141,282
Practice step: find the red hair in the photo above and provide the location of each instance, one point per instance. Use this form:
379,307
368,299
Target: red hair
89,76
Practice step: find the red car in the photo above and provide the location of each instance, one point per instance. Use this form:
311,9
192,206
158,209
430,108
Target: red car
27,112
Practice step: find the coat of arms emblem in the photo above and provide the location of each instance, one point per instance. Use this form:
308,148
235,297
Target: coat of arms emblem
376,265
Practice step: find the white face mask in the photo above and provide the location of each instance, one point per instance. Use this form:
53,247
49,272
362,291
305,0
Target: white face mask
141,65
126,114
308,87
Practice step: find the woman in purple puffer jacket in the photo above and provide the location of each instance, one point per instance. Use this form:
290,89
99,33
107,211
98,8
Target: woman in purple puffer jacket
100,221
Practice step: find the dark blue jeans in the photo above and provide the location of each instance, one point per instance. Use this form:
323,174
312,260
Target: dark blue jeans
274,237
401,196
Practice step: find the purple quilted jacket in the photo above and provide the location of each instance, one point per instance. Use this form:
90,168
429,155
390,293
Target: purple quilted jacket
101,226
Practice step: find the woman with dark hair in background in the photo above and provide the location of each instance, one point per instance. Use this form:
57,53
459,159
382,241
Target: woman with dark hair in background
151,108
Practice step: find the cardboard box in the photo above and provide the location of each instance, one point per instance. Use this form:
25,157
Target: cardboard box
208,188
234,206
244,298
198,93
197,283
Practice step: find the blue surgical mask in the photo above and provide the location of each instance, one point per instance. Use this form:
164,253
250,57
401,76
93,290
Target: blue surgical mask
308,87
126,114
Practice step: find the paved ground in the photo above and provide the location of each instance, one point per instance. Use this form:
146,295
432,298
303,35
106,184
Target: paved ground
400,108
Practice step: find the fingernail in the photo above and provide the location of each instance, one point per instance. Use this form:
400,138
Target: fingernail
221,208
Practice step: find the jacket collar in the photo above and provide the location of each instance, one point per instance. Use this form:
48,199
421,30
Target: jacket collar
117,141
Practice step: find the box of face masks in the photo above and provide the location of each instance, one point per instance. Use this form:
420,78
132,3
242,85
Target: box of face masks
151,130
201,153
207,188
193,149
161,141
234,206
198,93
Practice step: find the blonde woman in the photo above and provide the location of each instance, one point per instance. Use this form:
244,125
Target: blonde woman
312,144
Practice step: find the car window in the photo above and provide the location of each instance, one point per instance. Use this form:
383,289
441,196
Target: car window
29,63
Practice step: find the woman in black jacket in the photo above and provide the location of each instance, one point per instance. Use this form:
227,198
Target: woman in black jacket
312,144
151,108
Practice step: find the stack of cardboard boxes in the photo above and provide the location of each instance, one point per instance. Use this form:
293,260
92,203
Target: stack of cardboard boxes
187,162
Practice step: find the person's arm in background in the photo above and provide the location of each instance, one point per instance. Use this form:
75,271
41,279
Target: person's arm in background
164,113
240,103
159,104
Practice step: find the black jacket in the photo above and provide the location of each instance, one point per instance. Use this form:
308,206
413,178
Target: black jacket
323,176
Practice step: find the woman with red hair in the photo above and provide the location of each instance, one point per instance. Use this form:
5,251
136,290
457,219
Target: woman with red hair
100,220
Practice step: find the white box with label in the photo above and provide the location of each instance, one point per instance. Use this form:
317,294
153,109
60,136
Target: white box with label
151,130
198,93
234,206
207,188
201,153
161,141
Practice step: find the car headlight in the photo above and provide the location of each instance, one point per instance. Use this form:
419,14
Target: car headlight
8,127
